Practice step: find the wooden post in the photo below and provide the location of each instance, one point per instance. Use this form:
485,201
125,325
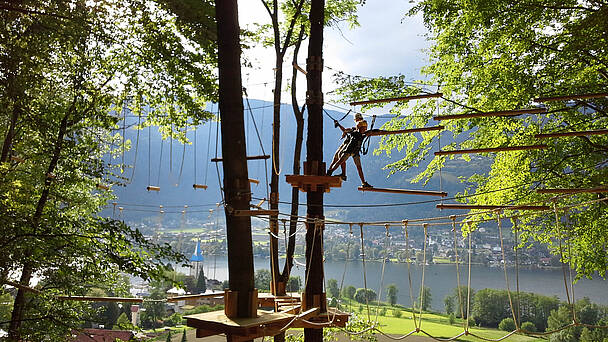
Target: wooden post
236,181
314,164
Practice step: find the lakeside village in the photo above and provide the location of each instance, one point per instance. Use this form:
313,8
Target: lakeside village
485,244
209,240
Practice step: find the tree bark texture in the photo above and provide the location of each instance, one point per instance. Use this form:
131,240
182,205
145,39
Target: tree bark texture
237,190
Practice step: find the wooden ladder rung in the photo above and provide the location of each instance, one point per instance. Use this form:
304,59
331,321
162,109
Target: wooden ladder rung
255,212
263,156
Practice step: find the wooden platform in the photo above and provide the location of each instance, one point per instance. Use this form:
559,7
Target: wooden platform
405,191
238,329
308,183
339,320
268,300
266,323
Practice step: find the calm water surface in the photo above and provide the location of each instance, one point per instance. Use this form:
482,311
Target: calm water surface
441,279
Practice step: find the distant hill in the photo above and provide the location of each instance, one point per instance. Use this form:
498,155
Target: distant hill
162,163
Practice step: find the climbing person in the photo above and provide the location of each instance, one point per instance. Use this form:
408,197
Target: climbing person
353,138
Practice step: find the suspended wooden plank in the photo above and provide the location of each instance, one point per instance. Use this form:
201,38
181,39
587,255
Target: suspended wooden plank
505,207
153,188
514,112
405,191
571,134
264,156
255,212
394,99
375,132
200,186
259,205
571,191
101,186
254,181
491,149
571,97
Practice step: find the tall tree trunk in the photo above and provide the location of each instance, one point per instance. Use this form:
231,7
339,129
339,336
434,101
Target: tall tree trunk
14,330
236,184
274,179
8,140
297,155
314,164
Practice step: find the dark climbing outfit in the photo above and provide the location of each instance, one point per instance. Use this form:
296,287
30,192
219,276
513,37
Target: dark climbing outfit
351,145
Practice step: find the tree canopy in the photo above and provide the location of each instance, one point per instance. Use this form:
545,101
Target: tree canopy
70,72
497,56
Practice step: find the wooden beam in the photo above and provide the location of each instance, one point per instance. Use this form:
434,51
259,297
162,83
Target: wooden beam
255,212
200,186
405,192
571,191
264,156
101,186
295,65
505,207
309,313
395,99
153,188
570,97
375,132
571,134
101,299
195,296
254,181
514,112
17,159
492,149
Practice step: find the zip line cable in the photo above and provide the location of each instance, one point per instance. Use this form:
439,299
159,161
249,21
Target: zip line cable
136,149
208,146
257,132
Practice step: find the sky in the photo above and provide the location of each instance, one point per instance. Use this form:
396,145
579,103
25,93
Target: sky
386,43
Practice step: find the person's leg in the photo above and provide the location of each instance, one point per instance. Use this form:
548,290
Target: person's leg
332,167
357,161
339,160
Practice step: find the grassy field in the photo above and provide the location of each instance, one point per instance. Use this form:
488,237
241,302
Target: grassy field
439,326
434,324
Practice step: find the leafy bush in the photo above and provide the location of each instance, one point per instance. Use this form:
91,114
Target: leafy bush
507,324
528,326
365,295
204,308
396,313
452,318
173,320
472,322
383,312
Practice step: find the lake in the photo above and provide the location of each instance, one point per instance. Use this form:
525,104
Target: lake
441,279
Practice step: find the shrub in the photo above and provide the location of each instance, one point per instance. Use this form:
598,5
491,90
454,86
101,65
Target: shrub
383,312
396,313
360,308
507,324
528,326
173,320
472,322
452,318
365,295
